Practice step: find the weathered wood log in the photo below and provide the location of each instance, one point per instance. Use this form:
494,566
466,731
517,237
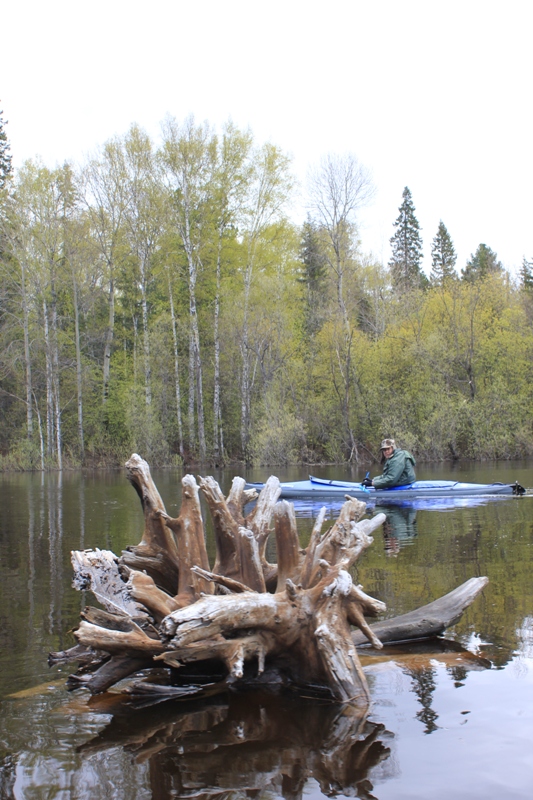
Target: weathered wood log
110,672
83,656
98,571
158,603
287,544
427,621
157,552
188,530
309,629
169,547
240,542
164,606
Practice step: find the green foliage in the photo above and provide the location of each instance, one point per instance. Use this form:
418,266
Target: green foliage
279,440
526,275
406,243
177,271
443,256
482,263
313,277
5,155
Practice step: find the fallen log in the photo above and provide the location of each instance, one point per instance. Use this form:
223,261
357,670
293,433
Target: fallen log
427,621
164,607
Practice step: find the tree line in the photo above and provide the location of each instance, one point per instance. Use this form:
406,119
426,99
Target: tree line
158,298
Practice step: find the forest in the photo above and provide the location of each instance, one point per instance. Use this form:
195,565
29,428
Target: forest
160,298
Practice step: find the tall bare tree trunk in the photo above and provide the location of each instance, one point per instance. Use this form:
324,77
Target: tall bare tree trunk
176,368
27,354
146,339
192,394
56,382
135,355
218,442
195,363
109,334
40,428
79,373
199,394
49,384
246,401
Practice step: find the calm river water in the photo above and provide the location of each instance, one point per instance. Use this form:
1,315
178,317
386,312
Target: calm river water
444,723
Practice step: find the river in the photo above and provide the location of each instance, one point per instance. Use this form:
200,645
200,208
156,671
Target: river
449,721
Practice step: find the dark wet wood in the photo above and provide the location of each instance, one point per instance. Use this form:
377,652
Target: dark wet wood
112,671
245,746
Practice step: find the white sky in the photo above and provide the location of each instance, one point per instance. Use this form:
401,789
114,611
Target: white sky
428,94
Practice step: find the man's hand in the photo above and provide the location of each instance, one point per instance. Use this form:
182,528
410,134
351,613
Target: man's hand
366,482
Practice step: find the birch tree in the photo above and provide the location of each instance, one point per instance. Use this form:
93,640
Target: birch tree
39,192
270,186
104,193
143,216
177,382
338,188
68,192
17,261
232,181
189,158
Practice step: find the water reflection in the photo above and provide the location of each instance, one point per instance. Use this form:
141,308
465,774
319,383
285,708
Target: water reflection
423,682
399,527
55,542
249,743
436,548
252,743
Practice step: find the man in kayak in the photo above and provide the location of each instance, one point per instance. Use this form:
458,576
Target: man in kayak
398,469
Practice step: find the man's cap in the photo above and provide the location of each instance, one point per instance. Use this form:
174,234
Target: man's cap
388,443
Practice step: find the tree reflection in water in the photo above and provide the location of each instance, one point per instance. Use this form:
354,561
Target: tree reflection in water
248,743
423,682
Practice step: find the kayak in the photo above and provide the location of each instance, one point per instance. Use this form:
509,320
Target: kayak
318,487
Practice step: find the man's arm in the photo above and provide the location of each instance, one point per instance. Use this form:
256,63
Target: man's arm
392,472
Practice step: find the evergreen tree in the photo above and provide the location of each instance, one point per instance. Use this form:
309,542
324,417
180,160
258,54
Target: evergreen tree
484,262
443,256
406,247
5,156
313,275
526,276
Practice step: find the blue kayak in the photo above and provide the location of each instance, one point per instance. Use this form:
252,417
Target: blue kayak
319,487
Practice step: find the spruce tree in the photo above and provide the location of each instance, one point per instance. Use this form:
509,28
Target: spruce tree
5,156
313,275
443,256
526,276
406,247
482,263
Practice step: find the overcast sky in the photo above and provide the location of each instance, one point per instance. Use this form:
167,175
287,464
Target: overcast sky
431,95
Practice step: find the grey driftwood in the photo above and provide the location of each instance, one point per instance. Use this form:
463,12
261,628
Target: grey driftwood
164,606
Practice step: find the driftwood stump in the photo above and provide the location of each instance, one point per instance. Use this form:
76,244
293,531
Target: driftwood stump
164,607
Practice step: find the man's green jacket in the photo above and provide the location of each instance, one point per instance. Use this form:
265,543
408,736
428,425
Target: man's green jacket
399,470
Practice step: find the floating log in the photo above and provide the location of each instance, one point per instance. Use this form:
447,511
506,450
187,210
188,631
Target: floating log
164,606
